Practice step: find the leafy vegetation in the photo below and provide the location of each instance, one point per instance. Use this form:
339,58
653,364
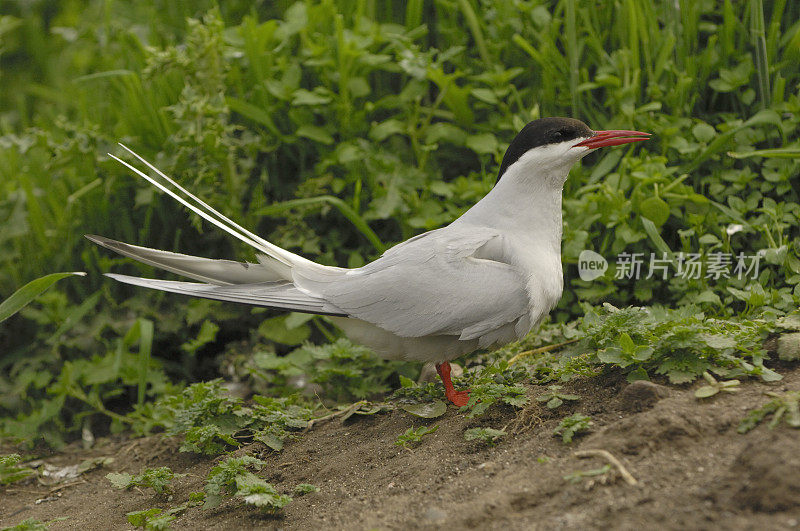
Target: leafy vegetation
714,386
487,436
554,398
337,132
232,477
32,524
413,436
158,519
11,471
305,488
680,344
158,479
495,383
341,371
571,426
783,406
489,384
212,421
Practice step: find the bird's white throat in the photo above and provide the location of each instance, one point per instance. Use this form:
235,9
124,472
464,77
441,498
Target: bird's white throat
527,198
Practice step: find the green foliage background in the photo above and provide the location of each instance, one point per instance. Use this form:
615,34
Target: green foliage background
338,128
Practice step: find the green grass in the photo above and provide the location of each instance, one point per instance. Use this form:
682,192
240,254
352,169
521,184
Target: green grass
337,132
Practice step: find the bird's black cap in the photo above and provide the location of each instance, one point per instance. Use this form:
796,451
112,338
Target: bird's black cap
540,133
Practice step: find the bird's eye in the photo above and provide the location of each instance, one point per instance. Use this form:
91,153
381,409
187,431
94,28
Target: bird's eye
556,136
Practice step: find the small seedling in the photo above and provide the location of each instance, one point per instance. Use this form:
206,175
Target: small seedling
305,488
554,398
487,436
157,479
159,519
414,436
572,426
543,459
10,471
233,477
154,518
786,405
577,476
714,386
32,524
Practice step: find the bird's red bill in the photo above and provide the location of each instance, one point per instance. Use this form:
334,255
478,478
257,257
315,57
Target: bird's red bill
613,138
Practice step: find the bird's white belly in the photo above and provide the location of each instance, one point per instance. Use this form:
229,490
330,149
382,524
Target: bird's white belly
387,345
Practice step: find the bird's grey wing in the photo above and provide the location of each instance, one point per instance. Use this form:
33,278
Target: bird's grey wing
447,282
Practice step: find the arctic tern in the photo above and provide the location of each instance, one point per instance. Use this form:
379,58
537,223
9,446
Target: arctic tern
483,281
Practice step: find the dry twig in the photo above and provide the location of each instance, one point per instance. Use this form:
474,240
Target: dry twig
627,476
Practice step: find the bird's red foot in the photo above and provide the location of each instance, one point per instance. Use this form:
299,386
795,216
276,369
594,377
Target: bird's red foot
459,398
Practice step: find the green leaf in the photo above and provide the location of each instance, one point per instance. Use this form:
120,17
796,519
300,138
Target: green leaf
426,410
206,334
304,97
141,518
276,329
120,480
703,132
638,374
486,95
719,341
27,293
485,143
271,440
313,132
612,355
407,382
445,132
655,209
305,488
642,353
626,343
652,232
381,131
254,113
554,402
706,391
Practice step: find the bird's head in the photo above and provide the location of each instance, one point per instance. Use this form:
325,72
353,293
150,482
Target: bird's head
550,146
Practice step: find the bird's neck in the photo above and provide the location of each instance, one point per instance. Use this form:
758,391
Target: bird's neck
526,203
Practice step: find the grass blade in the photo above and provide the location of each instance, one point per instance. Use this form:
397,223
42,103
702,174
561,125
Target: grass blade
760,48
475,28
778,153
145,350
572,52
27,293
652,232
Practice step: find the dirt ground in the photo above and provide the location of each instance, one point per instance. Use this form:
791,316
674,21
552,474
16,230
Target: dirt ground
693,471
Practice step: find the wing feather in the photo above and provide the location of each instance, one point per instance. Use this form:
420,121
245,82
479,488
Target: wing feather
204,269
432,285
270,294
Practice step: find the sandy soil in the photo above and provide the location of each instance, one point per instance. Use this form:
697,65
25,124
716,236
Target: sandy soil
693,471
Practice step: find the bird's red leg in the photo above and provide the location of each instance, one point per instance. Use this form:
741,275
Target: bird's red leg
459,398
